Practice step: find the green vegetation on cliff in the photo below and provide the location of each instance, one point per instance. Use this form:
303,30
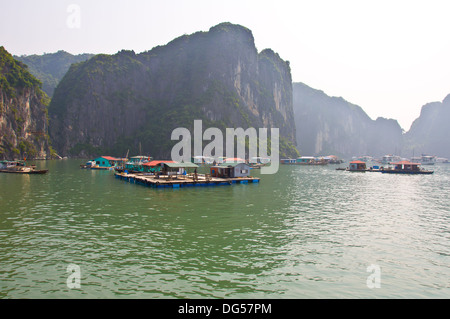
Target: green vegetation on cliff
23,111
14,76
51,67
114,103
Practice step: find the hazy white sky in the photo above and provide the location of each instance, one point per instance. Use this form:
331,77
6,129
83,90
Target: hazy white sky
389,57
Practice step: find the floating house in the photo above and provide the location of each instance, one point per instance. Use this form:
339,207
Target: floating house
305,160
175,168
154,166
106,162
310,160
230,170
357,166
174,175
136,163
288,161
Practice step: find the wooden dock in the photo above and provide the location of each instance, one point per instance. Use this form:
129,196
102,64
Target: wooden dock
178,181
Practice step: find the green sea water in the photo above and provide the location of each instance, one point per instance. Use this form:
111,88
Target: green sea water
305,232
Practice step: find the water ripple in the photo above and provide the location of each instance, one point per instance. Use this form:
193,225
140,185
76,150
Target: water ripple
304,232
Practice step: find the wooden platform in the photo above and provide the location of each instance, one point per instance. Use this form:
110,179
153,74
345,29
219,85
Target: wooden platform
179,181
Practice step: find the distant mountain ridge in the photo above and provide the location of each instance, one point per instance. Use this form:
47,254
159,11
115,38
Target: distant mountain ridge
50,68
430,132
330,125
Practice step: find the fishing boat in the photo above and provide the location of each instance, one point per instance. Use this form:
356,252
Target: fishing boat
406,167
19,167
258,162
89,164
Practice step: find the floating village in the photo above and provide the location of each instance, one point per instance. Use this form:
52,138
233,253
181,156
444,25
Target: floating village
144,170
388,164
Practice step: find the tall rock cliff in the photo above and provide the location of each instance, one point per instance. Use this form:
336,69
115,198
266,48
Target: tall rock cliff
330,125
112,103
429,134
23,112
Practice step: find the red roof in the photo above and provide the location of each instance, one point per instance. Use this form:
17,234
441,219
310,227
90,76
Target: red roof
156,163
357,162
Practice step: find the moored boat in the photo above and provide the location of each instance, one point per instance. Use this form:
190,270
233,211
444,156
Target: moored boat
89,164
19,167
258,162
406,167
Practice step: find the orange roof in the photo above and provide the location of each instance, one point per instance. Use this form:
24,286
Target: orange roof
357,162
156,163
